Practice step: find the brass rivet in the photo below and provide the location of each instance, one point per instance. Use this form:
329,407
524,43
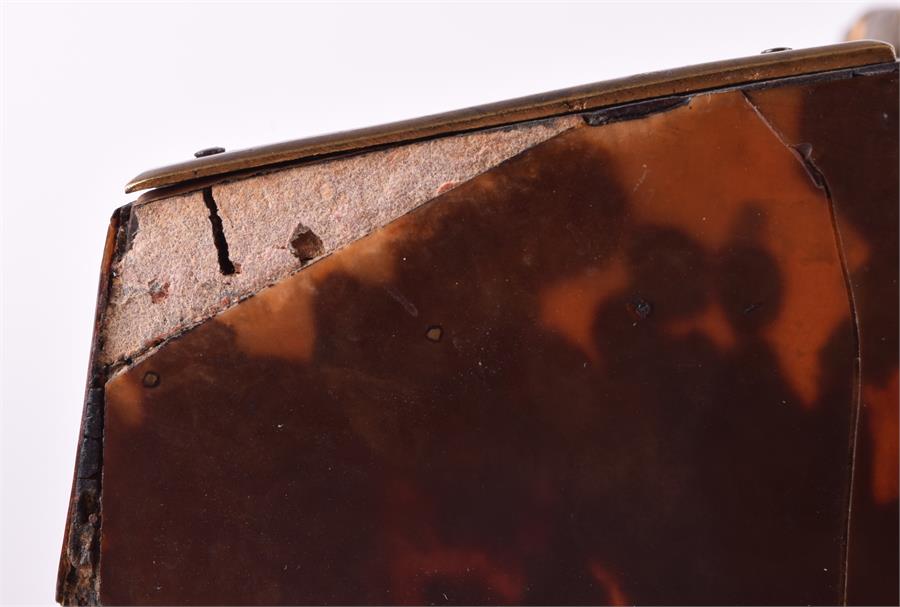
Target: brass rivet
151,379
434,333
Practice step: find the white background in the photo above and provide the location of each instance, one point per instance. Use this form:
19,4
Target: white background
93,94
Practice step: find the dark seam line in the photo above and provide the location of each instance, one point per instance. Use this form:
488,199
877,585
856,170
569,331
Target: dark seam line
218,233
857,388
803,153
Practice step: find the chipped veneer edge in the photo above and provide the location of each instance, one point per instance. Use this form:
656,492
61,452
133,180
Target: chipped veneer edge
340,200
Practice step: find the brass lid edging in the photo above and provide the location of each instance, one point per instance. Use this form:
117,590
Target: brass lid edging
677,81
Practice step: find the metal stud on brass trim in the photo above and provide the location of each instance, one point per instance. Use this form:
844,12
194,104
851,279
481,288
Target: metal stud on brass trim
208,152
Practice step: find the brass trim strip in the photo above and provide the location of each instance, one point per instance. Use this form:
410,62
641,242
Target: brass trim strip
678,81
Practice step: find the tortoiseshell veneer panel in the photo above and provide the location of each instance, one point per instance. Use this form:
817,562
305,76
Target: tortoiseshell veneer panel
623,366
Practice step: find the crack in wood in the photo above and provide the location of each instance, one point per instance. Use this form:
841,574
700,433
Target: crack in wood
226,266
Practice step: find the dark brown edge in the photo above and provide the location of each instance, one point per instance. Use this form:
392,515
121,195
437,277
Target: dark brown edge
77,580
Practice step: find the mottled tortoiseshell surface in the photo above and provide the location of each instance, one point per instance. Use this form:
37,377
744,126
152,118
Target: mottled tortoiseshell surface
623,366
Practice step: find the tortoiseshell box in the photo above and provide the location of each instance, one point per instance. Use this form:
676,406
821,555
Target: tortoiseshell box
634,342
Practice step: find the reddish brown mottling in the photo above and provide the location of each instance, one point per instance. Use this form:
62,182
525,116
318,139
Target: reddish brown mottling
569,305
642,390
609,583
883,420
